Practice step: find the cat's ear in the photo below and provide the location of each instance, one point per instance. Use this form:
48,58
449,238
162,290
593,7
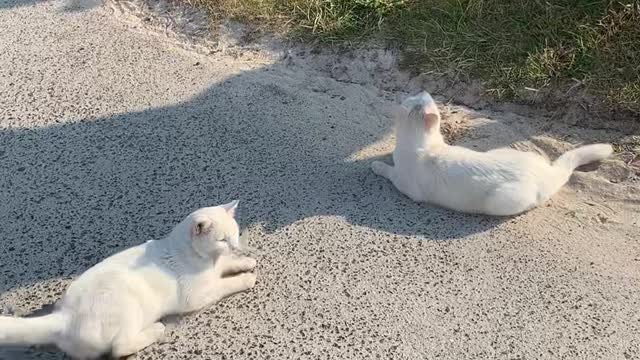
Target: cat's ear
201,226
231,207
430,114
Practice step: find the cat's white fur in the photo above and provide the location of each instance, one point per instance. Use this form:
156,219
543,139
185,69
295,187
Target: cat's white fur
498,182
115,306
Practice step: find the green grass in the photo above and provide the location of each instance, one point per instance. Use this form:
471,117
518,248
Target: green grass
513,46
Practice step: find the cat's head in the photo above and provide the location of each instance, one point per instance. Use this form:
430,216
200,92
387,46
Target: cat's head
418,122
213,230
421,110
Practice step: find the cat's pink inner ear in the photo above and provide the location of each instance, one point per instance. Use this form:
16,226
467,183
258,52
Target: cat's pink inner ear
200,227
231,207
431,115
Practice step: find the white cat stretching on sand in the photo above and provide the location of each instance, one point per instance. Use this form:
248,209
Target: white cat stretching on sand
498,182
116,305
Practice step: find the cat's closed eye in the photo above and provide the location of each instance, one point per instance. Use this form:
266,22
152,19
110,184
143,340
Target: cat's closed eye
244,237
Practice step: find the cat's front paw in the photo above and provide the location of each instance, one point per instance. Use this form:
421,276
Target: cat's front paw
380,168
249,280
250,263
158,329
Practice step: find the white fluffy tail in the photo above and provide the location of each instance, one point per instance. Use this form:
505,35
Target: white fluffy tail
570,160
31,331
565,165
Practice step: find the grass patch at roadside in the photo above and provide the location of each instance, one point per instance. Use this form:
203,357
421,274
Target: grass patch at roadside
513,47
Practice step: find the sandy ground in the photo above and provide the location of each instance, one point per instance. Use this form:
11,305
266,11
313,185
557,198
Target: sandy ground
109,135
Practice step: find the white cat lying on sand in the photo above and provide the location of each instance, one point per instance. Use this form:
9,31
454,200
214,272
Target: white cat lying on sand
497,182
116,305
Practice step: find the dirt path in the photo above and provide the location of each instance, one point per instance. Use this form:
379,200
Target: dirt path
109,136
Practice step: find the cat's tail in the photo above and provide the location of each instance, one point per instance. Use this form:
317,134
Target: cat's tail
40,330
565,165
583,155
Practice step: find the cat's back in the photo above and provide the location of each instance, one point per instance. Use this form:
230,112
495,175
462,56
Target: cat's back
112,270
461,178
498,165
126,280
